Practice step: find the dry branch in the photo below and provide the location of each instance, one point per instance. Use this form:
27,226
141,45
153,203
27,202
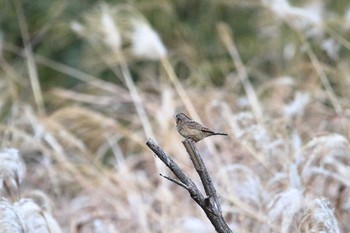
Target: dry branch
209,203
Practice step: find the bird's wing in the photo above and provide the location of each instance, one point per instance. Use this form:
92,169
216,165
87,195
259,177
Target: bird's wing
197,126
205,129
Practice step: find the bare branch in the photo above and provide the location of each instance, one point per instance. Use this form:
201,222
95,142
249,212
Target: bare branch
184,179
202,171
209,204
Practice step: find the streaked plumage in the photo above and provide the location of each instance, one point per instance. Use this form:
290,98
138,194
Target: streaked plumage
192,129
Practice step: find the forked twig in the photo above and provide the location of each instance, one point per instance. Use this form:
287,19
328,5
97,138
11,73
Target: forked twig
209,203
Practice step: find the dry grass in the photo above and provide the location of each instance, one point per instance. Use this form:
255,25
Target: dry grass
82,165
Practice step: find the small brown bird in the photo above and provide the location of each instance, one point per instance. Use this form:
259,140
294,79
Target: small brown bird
189,128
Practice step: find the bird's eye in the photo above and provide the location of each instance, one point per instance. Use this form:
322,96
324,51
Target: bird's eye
178,120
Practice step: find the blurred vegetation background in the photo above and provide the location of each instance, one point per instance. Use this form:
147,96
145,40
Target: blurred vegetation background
273,74
187,28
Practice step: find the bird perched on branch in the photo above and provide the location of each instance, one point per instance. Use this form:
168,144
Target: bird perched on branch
189,128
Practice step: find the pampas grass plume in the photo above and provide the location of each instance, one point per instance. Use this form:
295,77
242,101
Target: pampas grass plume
146,43
12,171
36,219
10,220
112,36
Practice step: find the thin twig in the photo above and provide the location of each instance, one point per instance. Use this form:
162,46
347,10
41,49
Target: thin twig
175,181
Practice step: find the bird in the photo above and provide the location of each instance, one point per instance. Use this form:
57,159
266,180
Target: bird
189,128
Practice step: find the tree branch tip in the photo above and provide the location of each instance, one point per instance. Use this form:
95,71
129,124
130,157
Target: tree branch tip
149,140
